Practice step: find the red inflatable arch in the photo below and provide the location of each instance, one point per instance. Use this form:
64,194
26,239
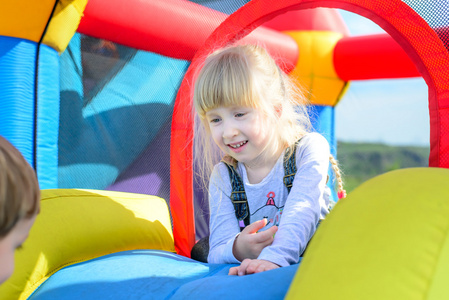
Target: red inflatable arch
416,37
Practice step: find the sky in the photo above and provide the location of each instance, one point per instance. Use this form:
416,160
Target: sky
392,112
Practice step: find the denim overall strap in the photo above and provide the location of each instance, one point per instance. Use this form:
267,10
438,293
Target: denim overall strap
238,197
290,166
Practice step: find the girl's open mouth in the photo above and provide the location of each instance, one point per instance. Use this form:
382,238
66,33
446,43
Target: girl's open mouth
238,146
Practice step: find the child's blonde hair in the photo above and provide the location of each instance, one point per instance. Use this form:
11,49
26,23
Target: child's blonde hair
19,188
247,75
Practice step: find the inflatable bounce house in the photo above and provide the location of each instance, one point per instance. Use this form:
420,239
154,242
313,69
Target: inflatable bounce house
96,95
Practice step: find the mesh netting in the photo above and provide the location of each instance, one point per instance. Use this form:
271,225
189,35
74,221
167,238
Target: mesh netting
436,14
116,108
227,7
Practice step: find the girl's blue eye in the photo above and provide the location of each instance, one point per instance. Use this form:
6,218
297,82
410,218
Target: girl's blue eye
215,120
239,115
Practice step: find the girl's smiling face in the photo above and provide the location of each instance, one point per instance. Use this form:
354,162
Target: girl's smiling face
239,132
9,243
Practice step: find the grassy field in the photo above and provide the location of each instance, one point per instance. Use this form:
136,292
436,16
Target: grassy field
360,162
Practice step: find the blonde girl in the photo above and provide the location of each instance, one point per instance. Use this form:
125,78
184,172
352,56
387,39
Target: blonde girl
250,113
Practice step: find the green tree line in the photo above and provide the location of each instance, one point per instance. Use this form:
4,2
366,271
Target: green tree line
360,162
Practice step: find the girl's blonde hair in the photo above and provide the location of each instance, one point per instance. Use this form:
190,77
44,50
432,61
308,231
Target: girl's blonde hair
19,188
247,75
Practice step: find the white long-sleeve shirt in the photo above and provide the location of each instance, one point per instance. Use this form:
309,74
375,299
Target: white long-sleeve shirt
296,214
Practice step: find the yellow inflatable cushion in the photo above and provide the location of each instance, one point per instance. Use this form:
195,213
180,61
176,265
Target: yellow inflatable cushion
389,239
64,23
79,225
27,20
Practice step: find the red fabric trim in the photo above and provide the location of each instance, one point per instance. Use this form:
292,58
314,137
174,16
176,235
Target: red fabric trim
319,19
181,177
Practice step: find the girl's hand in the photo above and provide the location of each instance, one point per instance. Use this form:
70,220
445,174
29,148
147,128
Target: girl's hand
249,243
251,266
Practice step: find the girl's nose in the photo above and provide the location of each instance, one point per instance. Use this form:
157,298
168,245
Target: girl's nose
229,131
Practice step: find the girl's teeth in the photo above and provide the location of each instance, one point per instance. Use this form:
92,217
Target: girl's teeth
238,145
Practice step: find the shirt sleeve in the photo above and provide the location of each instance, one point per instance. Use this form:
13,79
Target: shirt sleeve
302,208
223,224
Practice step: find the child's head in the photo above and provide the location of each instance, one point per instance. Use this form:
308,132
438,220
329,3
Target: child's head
247,76
19,204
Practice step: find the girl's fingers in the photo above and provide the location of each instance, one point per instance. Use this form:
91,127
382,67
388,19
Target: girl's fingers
265,266
251,266
255,227
243,266
233,271
267,236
